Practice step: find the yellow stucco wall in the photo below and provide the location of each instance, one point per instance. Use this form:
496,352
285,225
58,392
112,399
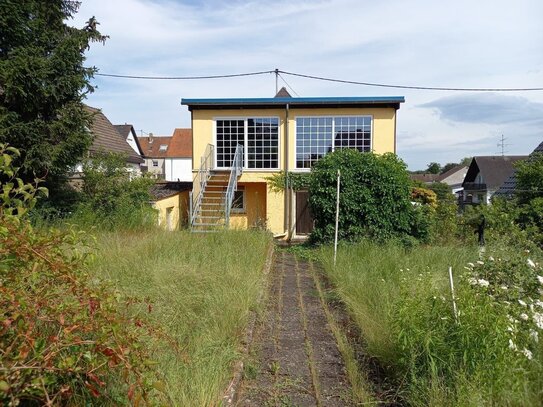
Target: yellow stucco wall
178,205
203,127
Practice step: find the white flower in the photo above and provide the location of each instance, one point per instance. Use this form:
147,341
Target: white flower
510,329
408,269
527,353
503,287
471,265
540,279
472,281
534,335
480,262
524,317
512,345
522,303
539,303
483,283
491,258
531,263
538,319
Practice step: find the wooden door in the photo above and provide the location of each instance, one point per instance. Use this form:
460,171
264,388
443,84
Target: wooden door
304,217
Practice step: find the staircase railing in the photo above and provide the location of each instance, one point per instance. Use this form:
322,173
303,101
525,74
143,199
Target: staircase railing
235,171
200,181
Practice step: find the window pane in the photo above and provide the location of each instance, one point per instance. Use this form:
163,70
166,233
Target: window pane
263,139
313,139
353,132
230,133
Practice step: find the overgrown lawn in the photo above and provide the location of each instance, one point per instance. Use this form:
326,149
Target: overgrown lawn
401,302
199,289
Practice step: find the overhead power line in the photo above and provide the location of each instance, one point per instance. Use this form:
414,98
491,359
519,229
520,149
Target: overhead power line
319,78
110,75
384,85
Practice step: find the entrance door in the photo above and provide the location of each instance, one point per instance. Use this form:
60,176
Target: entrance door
304,218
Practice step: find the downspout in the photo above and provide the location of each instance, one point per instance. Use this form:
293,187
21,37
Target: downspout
395,116
287,197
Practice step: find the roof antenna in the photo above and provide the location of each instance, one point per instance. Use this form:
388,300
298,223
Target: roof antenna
502,144
276,80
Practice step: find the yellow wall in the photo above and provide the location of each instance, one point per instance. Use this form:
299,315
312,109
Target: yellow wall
255,207
203,121
383,132
179,210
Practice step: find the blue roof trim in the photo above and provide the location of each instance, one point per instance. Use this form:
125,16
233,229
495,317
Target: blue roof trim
295,101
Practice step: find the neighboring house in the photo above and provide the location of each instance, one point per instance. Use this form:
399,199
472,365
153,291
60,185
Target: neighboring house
171,200
154,151
485,175
276,134
508,188
129,134
107,139
178,159
454,178
169,158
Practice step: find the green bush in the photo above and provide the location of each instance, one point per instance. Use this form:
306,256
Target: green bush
66,338
110,198
374,198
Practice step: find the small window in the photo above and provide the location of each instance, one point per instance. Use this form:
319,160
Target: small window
155,163
238,204
163,147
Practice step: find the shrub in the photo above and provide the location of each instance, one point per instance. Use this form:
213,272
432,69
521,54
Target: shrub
374,198
66,337
111,198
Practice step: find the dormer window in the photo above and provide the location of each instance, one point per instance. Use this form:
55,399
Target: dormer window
163,147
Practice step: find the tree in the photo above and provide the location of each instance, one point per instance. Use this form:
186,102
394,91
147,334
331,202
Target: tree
434,168
374,199
529,175
43,83
447,167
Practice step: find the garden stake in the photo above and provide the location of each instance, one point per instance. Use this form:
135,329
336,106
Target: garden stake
452,292
337,216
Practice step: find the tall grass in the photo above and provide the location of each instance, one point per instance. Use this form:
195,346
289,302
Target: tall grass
402,304
202,289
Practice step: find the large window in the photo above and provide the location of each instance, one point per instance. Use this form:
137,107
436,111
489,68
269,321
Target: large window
317,136
260,136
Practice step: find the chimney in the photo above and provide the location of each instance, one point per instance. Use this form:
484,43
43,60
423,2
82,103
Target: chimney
150,138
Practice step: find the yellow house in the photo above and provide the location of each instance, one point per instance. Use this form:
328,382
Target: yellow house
239,143
171,200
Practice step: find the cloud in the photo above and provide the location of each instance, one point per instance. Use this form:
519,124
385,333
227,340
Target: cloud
488,108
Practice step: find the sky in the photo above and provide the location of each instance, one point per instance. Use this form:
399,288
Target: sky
461,43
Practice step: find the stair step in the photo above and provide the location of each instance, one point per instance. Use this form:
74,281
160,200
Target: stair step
207,224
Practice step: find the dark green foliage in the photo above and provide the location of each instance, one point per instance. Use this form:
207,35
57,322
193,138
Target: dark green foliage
110,198
442,190
529,174
43,83
434,168
374,197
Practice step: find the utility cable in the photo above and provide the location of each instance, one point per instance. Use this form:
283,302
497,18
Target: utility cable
110,75
320,78
384,85
288,86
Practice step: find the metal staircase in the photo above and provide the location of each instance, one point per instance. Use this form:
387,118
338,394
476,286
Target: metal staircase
213,193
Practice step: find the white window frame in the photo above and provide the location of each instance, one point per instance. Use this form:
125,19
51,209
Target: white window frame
245,129
333,131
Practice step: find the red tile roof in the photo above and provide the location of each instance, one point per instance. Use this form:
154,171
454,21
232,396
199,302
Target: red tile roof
179,145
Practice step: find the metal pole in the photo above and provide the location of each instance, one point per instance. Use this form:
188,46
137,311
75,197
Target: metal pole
337,215
452,293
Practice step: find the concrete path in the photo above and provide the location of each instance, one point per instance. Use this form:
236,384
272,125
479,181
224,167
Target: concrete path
297,362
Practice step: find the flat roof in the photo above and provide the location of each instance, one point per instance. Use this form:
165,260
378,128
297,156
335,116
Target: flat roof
349,101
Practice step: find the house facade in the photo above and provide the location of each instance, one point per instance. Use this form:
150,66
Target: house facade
274,134
485,175
169,158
